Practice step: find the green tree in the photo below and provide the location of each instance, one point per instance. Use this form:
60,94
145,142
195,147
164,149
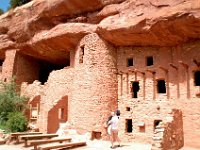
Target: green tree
15,3
10,100
1,11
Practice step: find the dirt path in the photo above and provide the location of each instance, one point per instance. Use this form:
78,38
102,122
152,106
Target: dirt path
91,145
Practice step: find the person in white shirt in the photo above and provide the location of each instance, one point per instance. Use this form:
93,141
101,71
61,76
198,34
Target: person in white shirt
114,130
109,125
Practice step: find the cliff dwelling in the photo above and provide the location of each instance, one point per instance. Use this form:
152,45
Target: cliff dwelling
79,61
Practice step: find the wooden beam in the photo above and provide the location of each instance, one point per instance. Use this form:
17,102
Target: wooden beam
173,66
136,70
166,70
184,64
153,72
196,62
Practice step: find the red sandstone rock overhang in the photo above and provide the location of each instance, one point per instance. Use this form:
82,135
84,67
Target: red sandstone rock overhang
50,29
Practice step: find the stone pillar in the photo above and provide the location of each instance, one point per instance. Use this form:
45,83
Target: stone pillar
94,91
8,68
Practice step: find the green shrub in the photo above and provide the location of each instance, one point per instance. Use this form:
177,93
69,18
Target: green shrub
17,122
15,3
12,106
10,100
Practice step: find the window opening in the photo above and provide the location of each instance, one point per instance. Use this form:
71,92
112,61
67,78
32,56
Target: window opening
149,60
129,125
81,54
1,62
128,109
61,113
130,62
197,78
161,87
135,89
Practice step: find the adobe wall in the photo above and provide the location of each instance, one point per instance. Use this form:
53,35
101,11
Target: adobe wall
181,93
94,92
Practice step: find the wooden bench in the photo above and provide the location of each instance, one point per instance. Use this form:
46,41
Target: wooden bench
33,137
2,141
63,145
39,142
16,135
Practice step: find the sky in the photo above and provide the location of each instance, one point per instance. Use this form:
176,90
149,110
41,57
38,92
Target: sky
4,4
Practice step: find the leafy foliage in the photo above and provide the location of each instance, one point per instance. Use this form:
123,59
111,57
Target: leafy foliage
11,104
15,3
17,122
1,11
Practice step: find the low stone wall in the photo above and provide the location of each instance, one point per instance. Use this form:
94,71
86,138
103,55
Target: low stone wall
169,135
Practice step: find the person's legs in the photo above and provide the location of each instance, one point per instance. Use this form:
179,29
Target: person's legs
112,139
117,139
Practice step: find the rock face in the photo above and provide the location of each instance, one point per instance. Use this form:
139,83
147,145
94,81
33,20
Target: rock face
92,56
121,22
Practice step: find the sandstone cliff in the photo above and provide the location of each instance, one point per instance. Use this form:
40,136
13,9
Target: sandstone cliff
49,29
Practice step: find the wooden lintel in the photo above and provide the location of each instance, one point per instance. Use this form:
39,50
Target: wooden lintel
173,66
184,64
131,70
136,70
153,72
120,73
196,62
166,70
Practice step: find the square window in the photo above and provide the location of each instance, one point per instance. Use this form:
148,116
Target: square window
197,78
130,62
149,61
128,109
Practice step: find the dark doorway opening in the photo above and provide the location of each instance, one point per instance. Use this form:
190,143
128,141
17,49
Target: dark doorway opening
46,68
1,62
149,60
129,125
197,78
161,87
135,89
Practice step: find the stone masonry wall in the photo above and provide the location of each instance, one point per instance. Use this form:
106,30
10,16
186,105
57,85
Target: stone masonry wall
58,85
94,93
175,65
169,133
8,67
